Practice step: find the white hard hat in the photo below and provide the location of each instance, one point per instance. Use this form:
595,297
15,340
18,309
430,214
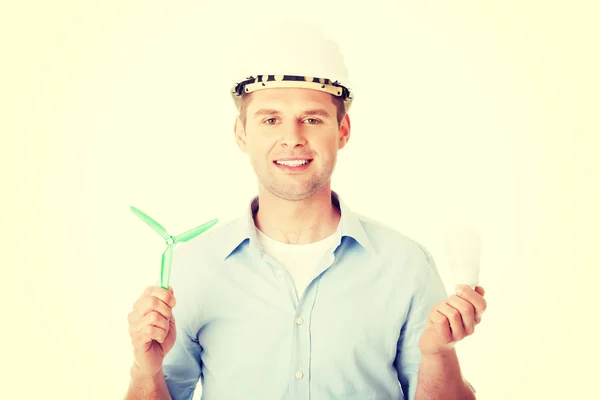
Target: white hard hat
291,54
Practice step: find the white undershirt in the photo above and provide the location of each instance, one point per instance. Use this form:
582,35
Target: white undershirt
300,260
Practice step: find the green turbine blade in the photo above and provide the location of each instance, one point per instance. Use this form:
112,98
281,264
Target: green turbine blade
192,233
152,223
165,270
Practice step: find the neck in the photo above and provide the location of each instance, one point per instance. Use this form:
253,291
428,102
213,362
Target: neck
297,222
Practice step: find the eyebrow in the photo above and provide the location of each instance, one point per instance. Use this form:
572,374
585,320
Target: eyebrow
317,111
266,111
269,111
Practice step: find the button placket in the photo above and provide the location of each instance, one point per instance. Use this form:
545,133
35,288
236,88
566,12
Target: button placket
301,359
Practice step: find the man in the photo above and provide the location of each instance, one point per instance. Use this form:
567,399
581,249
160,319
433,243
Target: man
300,298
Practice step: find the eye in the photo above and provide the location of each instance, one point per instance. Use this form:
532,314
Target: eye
313,121
270,121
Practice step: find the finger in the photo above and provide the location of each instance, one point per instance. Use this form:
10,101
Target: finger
153,327
148,334
154,319
141,336
477,319
480,290
151,319
147,305
466,310
473,297
455,320
166,296
442,326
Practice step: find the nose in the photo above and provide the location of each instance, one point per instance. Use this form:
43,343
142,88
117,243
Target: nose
293,136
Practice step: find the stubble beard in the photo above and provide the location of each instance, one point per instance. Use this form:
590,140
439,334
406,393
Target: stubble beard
291,191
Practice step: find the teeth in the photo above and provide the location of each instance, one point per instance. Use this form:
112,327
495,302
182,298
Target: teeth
293,163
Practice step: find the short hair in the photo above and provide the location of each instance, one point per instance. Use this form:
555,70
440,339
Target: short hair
337,101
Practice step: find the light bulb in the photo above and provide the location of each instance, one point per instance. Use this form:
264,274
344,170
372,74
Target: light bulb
464,255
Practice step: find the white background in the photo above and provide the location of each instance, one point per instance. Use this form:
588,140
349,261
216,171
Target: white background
480,112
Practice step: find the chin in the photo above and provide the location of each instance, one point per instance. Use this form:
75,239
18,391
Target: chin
295,193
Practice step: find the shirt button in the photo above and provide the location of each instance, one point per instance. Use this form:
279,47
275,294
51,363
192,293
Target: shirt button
299,321
299,374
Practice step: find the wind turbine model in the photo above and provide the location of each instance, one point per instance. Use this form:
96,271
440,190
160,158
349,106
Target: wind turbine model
167,257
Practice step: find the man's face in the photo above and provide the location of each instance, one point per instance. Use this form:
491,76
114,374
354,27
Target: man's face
292,138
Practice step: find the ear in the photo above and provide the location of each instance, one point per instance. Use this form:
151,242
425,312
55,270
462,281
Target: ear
240,134
344,132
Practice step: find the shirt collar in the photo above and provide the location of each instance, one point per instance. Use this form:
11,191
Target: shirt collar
244,229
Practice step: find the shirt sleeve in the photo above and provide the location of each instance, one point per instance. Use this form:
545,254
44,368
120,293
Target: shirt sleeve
182,365
430,291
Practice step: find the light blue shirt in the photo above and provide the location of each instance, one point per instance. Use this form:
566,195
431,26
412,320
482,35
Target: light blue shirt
354,334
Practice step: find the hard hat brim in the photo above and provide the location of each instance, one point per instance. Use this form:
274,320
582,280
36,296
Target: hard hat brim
260,82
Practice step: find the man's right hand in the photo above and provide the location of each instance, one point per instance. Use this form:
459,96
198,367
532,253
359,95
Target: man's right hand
152,328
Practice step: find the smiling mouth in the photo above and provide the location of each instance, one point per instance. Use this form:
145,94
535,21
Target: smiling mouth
292,163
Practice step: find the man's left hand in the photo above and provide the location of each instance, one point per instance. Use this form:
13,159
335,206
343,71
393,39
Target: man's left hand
452,320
